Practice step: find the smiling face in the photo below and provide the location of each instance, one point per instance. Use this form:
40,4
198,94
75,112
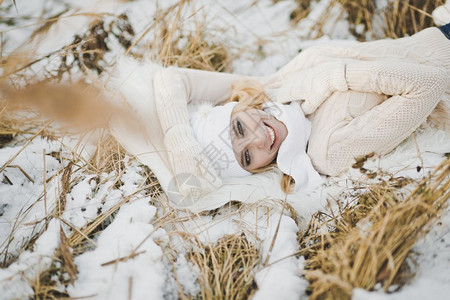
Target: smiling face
256,137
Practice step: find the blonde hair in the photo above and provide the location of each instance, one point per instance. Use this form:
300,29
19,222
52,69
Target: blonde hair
250,94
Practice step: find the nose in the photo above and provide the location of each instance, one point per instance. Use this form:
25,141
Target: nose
258,140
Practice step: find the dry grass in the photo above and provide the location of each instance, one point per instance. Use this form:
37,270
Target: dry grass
368,243
402,18
48,284
52,283
360,13
398,18
108,156
61,273
302,10
85,54
29,101
198,48
337,260
226,268
78,103
15,126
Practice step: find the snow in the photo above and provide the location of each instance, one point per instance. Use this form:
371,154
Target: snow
14,281
22,197
140,275
129,258
280,279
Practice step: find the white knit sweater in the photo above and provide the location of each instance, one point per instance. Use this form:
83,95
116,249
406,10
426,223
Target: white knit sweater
407,77
414,73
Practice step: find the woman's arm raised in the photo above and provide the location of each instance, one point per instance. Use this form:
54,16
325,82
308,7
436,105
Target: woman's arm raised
314,85
414,92
174,88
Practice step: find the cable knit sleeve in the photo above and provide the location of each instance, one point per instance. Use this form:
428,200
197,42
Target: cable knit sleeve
414,89
396,78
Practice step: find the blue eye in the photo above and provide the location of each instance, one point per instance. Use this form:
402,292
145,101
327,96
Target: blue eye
247,157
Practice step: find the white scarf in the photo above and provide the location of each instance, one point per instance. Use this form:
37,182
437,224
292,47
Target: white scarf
292,158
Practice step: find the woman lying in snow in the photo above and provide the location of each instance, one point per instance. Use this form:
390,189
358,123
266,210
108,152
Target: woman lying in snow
363,98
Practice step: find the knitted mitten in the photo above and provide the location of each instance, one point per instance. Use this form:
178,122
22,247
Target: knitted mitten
313,85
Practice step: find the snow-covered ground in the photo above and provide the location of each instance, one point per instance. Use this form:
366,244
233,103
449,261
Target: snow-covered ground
261,33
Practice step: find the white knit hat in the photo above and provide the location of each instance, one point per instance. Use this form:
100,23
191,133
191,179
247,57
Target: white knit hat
292,158
212,130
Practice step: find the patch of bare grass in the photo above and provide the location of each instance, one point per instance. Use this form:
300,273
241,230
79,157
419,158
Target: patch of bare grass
360,16
198,48
397,19
226,268
369,242
406,17
368,21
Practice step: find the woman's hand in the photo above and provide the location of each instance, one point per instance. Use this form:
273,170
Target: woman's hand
313,85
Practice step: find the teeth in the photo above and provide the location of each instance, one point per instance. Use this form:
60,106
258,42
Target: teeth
272,134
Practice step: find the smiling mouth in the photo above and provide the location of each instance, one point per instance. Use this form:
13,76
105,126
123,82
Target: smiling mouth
272,135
